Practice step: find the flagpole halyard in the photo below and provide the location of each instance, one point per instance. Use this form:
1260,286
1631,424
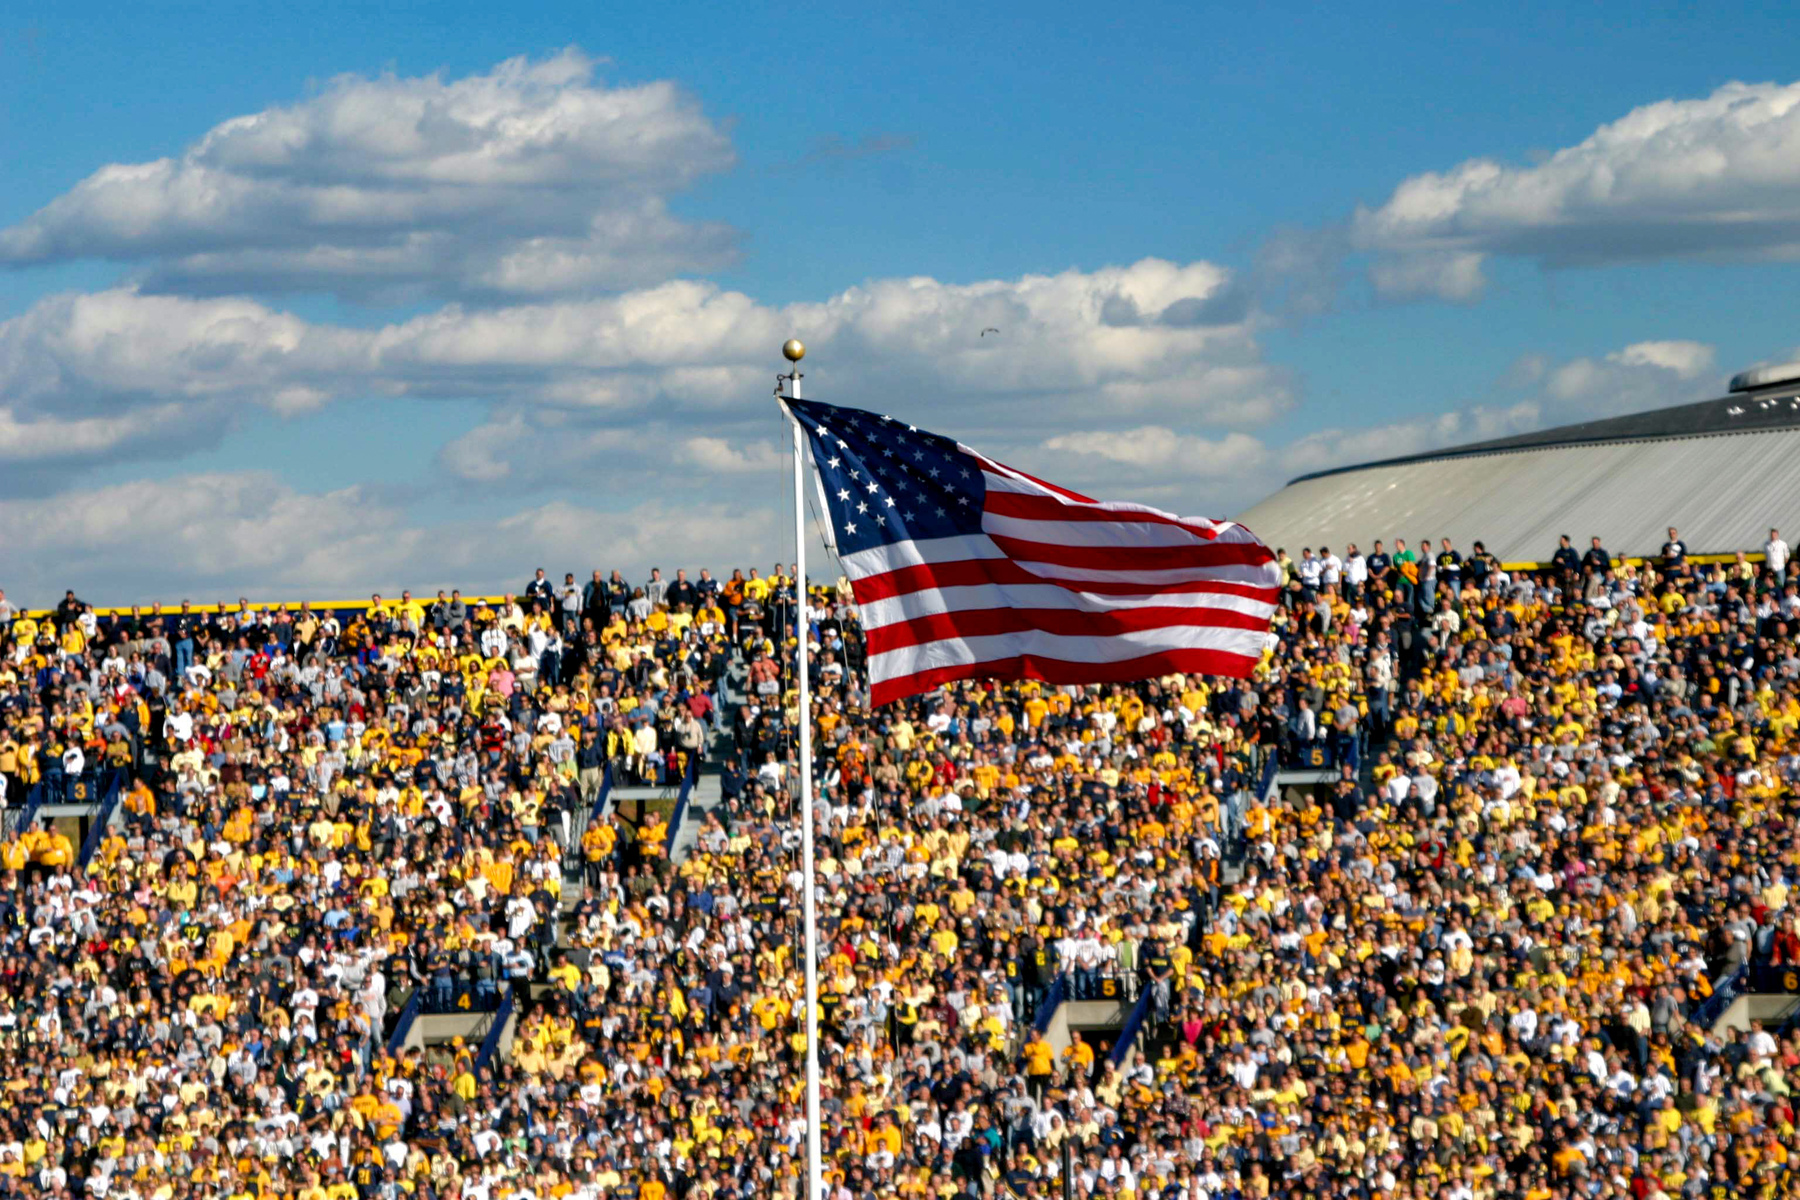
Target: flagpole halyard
794,351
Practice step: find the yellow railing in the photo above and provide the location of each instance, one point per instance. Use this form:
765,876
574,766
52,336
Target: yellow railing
171,610
1705,560
478,601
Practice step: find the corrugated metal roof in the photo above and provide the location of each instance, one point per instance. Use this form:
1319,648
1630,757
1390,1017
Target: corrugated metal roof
1723,491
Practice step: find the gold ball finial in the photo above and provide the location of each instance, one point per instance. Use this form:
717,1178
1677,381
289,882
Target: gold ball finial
794,351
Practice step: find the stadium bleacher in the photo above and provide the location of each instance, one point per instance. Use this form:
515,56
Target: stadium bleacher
1482,887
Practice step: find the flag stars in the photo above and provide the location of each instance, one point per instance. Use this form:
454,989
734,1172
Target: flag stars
862,508
873,488
890,502
843,493
833,464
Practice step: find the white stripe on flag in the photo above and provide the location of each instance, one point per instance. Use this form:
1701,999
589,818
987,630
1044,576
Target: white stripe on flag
1121,534
878,560
952,652
932,601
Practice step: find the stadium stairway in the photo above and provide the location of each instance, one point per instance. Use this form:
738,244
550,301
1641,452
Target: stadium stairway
707,793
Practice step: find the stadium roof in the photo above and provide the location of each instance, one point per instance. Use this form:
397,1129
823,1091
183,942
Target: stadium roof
1722,470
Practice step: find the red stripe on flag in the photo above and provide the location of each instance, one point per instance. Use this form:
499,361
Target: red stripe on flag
1060,671
1048,508
984,622
973,571
1136,558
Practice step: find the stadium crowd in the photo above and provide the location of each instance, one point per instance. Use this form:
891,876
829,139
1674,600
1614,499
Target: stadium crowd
1473,965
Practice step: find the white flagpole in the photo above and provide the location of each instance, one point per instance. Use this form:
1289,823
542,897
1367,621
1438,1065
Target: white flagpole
815,1174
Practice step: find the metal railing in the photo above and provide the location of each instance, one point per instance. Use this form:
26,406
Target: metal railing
1054,997
18,820
582,819
1725,989
103,815
404,1022
688,778
490,1045
1128,1032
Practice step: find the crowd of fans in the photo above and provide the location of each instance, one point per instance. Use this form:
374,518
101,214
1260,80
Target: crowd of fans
1473,964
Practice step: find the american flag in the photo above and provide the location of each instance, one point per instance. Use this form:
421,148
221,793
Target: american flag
965,568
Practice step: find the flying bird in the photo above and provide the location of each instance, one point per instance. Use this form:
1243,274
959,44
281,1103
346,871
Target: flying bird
988,330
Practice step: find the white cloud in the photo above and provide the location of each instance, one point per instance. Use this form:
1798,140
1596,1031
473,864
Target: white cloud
580,372
722,457
1641,376
521,450
1446,275
49,440
1638,377
1150,464
1159,450
531,179
225,535
1340,447
1715,177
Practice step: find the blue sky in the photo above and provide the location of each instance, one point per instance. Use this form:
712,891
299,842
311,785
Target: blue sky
808,161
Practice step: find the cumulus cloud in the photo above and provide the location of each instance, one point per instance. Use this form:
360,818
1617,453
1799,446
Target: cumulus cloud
1714,177
534,178
575,373
1641,376
722,457
1151,464
254,534
1441,275
521,450
1340,447
1160,450
250,534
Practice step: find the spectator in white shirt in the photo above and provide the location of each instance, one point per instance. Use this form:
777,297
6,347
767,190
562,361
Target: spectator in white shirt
1311,570
1775,551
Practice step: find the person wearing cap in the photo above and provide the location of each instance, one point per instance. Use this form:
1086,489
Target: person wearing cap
1573,841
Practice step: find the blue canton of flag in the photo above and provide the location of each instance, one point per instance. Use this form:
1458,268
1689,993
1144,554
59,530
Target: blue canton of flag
885,481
